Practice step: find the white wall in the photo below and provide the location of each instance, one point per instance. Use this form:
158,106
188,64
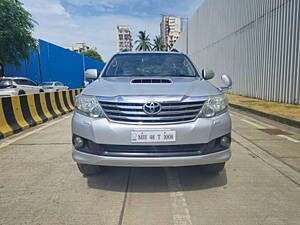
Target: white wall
256,42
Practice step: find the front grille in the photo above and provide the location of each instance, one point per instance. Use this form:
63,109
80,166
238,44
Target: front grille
147,151
171,112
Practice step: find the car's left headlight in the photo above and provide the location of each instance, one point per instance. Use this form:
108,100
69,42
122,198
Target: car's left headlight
89,106
215,105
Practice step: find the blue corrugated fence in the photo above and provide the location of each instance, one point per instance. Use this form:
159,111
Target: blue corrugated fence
54,63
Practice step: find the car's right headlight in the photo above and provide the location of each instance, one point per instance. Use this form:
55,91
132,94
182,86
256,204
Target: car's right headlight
89,106
215,105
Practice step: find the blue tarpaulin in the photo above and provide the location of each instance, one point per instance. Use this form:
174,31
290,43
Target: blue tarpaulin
54,63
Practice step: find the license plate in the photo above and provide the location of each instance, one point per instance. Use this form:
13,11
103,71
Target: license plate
153,136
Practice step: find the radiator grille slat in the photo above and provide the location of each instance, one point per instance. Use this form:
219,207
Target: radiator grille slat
171,112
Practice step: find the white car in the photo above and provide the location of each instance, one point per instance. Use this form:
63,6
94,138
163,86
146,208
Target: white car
54,86
10,86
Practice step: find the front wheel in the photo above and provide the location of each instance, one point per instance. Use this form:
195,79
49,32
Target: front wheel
214,168
88,170
21,92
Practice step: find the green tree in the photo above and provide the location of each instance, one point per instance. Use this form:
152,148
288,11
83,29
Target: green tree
94,55
16,26
144,43
158,44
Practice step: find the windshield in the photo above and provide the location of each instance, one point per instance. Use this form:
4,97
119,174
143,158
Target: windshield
47,84
153,64
5,83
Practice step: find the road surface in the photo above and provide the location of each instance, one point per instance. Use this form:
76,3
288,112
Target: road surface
40,183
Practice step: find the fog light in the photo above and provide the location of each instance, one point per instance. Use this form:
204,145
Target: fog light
225,141
78,142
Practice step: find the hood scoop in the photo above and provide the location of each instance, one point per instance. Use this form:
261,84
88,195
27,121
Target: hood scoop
151,81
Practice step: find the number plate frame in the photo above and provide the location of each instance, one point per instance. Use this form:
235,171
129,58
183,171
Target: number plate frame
153,136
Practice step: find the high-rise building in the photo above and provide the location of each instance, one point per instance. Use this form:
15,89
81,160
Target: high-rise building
124,39
81,47
170,29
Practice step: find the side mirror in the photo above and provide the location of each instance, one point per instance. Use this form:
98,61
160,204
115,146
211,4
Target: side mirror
208,74
227,81
91,74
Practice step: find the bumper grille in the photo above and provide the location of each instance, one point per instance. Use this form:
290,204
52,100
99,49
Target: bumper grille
91,147
148,151
171,112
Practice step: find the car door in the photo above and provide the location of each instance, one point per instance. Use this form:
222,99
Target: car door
57,86
60,86
22,86
32,87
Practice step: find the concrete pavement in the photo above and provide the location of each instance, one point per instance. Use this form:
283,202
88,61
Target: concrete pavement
40,184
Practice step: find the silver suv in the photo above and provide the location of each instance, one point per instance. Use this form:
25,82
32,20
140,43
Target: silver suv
151,109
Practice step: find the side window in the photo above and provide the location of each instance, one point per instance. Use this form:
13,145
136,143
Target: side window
31,83
21,82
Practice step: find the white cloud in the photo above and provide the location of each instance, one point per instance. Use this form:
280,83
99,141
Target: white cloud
107,3
45,7
61,28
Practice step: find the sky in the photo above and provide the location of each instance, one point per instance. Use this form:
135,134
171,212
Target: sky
66,22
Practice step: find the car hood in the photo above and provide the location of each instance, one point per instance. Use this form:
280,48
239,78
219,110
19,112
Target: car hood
179,86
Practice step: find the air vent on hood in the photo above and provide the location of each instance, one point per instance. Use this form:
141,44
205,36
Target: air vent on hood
151,81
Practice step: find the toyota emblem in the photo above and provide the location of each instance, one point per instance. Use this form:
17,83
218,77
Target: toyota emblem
152,108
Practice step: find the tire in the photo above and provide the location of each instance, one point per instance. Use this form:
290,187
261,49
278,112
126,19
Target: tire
21,92
41,91
214,168
88,170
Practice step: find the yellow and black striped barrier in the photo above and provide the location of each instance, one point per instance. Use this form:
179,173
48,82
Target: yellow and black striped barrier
17,113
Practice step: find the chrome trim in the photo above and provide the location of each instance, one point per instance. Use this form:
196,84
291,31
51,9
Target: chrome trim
142,113
181,106
106,104
121,106
143,99
152,118
152,108
133,112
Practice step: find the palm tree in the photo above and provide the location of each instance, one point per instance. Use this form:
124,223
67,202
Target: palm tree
143,42
158,44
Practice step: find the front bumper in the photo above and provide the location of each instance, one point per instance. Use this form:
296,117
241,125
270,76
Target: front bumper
85,158
104,132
